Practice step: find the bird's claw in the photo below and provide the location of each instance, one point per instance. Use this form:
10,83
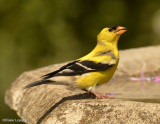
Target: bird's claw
102,96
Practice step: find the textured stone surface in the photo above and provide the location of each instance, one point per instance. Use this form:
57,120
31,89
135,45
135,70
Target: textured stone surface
71,107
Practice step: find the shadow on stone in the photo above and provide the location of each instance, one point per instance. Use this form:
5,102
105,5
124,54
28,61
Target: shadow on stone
73,97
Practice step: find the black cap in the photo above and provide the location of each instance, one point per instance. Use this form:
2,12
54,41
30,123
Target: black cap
111,28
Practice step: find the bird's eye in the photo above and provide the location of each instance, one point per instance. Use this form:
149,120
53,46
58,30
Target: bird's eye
110,29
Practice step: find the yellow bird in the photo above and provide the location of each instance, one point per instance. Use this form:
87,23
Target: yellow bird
95,68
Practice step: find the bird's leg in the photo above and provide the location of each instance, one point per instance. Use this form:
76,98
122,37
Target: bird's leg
89,92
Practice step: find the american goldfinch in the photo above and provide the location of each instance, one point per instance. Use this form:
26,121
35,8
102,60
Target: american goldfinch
95,68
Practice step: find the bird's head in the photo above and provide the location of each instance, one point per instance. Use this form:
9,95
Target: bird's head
111,34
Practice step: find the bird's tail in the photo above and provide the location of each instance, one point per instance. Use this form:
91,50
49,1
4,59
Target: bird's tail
36,83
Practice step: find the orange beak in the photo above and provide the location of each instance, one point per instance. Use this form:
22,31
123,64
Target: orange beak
120,30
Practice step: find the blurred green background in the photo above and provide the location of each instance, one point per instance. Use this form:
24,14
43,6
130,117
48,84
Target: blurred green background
36,33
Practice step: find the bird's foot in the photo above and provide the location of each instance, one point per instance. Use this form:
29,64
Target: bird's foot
100,95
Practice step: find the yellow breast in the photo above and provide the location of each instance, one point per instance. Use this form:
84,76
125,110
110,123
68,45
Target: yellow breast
94,78
99,77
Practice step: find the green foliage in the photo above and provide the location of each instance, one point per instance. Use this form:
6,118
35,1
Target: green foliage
36,33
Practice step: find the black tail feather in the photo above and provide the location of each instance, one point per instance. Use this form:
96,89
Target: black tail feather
36,83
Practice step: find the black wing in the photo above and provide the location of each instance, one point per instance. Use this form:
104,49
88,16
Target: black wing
78,68
71,69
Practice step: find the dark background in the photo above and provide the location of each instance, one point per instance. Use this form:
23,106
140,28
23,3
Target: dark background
36,33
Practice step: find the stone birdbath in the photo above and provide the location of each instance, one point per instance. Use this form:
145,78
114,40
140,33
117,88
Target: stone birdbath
136,101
